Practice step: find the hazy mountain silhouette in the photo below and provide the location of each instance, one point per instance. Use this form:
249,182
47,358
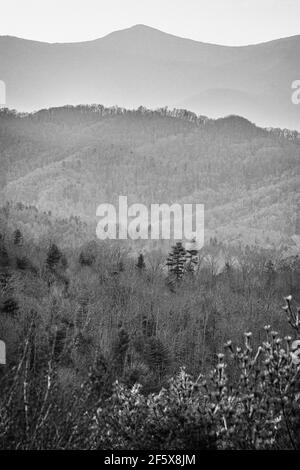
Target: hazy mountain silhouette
142,65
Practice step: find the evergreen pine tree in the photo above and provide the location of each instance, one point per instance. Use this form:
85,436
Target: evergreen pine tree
176,261
4,258
141,262
10,306
18,237
53,257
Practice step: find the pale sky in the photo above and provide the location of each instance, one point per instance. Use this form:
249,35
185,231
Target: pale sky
230,22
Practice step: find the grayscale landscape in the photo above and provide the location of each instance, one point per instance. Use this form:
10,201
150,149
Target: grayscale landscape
160,345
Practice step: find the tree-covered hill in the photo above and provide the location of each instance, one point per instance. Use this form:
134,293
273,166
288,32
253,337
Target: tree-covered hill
69,160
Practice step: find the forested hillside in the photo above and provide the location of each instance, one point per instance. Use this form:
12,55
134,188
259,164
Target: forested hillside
79,315
69,160
84,321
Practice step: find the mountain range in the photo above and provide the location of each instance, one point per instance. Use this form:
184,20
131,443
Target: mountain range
144,66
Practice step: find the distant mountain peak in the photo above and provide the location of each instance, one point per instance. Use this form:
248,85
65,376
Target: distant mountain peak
142,27
144,65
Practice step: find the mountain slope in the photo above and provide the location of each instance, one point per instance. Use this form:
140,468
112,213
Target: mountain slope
69,160
144,65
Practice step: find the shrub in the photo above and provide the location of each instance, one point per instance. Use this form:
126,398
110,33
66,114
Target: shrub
172,419
259,408
250,400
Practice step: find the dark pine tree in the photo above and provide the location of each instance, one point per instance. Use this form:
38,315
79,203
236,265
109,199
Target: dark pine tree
53,257
4,258
10,306
18,237
176,261
141,262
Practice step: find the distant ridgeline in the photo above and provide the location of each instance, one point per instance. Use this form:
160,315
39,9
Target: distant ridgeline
285,133
103,111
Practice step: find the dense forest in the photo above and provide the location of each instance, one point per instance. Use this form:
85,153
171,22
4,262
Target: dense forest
77,319
126,345
69,160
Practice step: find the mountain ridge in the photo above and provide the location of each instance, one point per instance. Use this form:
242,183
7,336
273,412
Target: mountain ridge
144,27
69,160
143,65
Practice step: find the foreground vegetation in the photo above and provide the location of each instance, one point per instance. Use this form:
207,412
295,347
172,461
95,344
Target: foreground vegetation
84,325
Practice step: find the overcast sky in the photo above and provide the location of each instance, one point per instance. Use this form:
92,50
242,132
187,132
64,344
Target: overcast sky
230,22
